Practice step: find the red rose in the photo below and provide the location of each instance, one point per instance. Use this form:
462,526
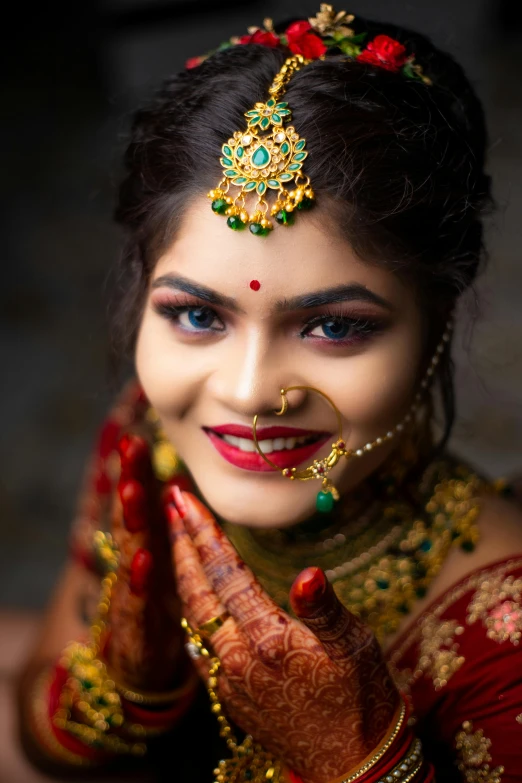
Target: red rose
384,52
193,62
263,37
302,41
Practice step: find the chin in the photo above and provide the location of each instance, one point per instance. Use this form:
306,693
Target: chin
271,502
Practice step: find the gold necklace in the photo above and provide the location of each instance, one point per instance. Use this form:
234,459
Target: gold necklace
398,557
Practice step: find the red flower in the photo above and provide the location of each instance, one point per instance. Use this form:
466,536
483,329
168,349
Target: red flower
302,41
193,62
263,37
384,52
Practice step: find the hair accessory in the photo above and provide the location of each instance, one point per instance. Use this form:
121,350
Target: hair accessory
321,467
265,156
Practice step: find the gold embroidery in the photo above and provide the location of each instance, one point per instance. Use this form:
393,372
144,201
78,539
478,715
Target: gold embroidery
497,603
472,582
439,658
473,756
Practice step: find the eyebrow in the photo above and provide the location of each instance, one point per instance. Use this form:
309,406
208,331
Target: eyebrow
343,293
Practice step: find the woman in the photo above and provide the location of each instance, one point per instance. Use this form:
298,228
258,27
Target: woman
303,209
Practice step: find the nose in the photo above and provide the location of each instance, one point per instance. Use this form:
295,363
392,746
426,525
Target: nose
250,380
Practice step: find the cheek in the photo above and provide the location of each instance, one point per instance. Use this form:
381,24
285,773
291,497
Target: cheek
380,383
167,378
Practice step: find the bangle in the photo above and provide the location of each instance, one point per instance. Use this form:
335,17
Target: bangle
145,698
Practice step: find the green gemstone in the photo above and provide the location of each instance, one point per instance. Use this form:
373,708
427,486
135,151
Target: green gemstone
284,112
270,103
219,206
300,156
254,121
227,150
285,177
250,186
324,502
285,218
426,545
261,157
258,230
265,122
239,152
274,183
467,546
300,145
261,187
226,162
306,203
235,223
285,148
239,181
282,105
382,584
294,167
277,119
231,173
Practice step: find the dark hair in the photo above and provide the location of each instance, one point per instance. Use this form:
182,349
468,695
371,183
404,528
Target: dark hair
397,163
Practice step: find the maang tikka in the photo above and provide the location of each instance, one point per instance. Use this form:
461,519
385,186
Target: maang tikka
265,156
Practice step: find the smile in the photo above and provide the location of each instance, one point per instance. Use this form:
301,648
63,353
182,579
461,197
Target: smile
285,446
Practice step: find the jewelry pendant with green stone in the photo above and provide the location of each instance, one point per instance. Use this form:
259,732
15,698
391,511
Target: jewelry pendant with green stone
264,157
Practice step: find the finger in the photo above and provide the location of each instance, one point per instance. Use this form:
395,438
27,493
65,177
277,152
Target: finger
232,581
197,597
315,603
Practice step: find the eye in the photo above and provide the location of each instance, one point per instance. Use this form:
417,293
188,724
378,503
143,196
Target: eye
191,318
340,329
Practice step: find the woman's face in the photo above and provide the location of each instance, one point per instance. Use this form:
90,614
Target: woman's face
212,352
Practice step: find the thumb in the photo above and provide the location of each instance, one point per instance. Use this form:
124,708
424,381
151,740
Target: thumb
316,605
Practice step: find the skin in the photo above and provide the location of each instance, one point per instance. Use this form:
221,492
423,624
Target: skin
207,378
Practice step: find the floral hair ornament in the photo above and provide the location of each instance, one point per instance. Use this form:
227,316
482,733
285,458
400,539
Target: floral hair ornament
267,155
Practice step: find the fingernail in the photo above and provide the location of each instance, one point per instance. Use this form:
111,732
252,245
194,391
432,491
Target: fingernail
134,457
313,585
174,520
179,501
140,569
133,501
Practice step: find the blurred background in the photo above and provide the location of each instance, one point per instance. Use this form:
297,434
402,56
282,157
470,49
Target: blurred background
70,80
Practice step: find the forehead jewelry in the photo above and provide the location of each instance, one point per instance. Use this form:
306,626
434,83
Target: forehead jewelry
265,156
321,467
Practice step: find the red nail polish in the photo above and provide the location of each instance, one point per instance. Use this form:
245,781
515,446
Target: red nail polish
134,504
313,585
179,501
140,570
134,458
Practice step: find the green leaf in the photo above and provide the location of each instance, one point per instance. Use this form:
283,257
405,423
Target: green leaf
274,184
300,156
239,181
348,48
300,145
250,186
226,162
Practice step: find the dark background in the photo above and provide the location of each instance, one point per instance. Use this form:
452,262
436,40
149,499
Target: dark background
70,77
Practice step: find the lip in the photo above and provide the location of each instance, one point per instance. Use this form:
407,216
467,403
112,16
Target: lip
251,460
263,433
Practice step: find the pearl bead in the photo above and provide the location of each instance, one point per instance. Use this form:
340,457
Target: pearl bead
359,453
368,447
389,434
399,427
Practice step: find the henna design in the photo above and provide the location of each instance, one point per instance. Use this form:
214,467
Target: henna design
146,642
315,691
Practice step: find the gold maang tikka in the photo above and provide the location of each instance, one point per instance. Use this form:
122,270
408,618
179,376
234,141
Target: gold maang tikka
321,467
265,156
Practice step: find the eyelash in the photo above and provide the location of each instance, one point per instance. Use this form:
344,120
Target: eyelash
364,327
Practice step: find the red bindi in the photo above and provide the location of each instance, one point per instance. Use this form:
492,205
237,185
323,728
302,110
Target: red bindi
255,285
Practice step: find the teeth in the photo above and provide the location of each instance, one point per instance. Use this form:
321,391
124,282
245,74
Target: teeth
267,446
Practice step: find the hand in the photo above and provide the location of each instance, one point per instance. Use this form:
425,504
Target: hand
314,691
146,643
